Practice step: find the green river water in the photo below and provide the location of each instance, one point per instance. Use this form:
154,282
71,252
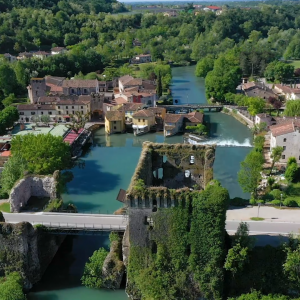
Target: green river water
109,165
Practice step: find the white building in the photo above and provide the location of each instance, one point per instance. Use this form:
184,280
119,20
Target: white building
58,50
288,92
286,135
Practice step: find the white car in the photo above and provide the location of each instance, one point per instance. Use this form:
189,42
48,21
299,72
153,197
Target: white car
187,173
192,159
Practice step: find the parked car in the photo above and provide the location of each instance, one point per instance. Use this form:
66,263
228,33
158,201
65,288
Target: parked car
187,173
192,159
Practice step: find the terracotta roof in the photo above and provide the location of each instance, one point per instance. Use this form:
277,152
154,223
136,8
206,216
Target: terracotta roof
71,99
248,85
173,118
143,113
53,88
214,7
54,80
286,89
195,117
35,107
157,109
25,54
125,79
114,115
284,128
57,49
119,100
41,53
133,88
132,106
71,102
263,115
76,83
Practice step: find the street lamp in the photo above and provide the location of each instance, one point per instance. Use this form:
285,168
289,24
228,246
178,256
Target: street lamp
280,200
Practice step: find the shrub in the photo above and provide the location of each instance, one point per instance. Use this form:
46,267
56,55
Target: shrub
291,172
252,201
276,193
225,110
290,202
271,181
275,202
237,201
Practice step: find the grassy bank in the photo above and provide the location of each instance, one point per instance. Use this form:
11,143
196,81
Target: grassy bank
234,114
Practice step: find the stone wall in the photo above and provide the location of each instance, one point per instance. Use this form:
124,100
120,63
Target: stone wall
38,186
27,250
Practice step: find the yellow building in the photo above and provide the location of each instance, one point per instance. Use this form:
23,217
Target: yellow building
143,120
114,122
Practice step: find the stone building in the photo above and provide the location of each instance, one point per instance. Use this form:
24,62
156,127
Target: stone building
80,87
36,89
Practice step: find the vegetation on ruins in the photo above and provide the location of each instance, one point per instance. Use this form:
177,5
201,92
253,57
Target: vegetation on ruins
11,287
179,243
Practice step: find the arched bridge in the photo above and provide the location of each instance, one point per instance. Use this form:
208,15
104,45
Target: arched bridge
69,223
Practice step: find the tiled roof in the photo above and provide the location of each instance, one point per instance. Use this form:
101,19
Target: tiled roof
114,115
132,106
143,113
119,100
57,49
214,7
284,128
55,80
66,99
41,53
52,88
286,89
125,79
157,109
35,107
248,85
76,83
173,118
195,117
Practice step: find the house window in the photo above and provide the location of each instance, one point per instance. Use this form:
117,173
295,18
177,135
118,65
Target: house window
67,111
58,107
115,122
33,113
22,119
73,112
42,112
81,107
50,112
284,147
59,112
115,127
139,120
73,107
144,120
85,91
283,156
66,107
82,111
21,113
284,140
72,91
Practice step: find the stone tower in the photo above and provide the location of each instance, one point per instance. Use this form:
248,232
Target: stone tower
36,89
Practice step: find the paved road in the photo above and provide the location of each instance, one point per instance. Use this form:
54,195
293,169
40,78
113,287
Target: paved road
70,221
114,222
264,227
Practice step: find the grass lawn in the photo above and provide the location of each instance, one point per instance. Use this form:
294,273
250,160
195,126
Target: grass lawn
257,219
295,63
5,207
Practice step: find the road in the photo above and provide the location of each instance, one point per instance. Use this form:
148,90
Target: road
115,222
69,221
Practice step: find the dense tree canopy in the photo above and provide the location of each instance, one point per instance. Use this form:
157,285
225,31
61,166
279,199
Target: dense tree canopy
44,153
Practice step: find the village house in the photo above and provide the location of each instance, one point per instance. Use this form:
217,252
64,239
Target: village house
193,119
216,9
160,115
288,92
170,14
128,81
130,109
173,124
10,58
140,59
257,89
114,122
80,87
136,43
286,135
36,88
24,55
31,112
264,118
143,121
41,54
103,86
58,50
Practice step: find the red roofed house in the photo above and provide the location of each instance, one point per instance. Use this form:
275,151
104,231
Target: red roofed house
286,135
216,9
143,121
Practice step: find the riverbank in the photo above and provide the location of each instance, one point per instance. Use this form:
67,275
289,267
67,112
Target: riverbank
238,116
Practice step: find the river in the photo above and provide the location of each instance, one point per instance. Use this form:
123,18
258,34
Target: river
109,165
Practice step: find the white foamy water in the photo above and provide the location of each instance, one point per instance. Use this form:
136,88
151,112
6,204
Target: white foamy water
223,143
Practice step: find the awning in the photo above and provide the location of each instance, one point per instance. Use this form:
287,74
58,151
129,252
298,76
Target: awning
66,116
139,126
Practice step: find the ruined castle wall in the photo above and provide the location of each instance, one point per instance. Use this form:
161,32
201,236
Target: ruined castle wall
42,186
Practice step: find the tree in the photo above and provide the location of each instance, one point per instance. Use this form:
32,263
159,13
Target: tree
249,175
258,128
7,79
45,119
275,103
8,100
44,153
92,274
14,169
242,236
204,66
292,108
275,155
236,258
256,105
279,71
11,287
159,85
78,121
291,172
292,265
8,116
